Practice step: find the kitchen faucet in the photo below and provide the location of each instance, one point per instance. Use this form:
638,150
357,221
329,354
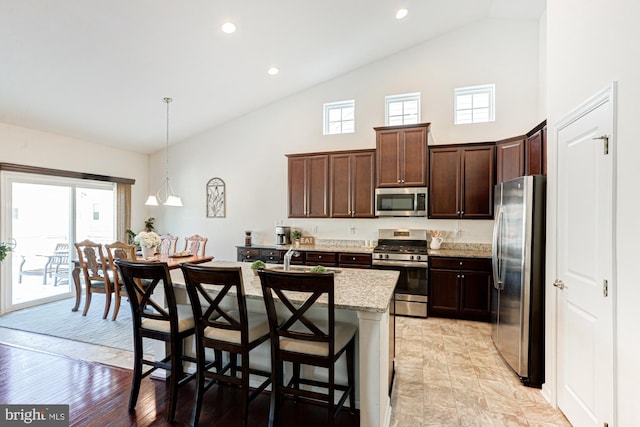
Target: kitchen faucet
287,258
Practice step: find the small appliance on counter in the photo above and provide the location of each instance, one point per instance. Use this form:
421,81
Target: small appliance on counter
283,235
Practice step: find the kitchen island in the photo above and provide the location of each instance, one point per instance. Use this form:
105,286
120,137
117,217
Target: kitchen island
361,297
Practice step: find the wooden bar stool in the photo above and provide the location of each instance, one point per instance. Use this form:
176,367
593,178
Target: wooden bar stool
304,341
236,331
159,320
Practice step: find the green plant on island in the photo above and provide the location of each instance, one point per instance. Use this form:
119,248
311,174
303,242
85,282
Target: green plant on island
258,265
318,269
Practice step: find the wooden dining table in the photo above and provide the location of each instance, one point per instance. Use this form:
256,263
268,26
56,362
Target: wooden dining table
173,262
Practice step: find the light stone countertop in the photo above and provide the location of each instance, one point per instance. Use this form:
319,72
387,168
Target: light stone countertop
318,248
459,253
356,289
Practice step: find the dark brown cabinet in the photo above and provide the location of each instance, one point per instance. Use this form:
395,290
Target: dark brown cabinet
326,259
401,155
460,288
461,180
510,158
351,260
536,150
308,184
246,254
522,155
352,184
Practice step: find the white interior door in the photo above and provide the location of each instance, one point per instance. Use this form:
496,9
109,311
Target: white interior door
585,284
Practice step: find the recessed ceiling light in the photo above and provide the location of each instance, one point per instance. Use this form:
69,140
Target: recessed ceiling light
273,71
401,13
228,27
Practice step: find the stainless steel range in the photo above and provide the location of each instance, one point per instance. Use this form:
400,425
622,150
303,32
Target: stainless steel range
405,250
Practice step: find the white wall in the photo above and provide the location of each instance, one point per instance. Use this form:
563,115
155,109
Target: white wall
591,44
249,152
34,148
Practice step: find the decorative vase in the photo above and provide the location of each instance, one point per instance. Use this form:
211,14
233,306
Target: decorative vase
148,252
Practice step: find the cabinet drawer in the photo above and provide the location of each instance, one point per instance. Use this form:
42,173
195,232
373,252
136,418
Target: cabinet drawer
271,256
359,259
248,254
483,264
321,258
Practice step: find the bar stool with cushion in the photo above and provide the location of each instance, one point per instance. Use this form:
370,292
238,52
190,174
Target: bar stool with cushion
234,330
302,340
118,250
195,244
95,272
156,319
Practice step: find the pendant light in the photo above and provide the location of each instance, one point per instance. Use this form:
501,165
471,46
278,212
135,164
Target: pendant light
171,198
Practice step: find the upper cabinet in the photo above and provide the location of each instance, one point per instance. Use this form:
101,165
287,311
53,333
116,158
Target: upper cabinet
308,184
402,155
352,184
510,155
461,180
522,155
536,150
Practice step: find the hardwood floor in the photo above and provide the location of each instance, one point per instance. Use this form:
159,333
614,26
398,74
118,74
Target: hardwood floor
98,395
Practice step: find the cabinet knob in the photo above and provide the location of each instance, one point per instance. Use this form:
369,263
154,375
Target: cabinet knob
460,262
354,258
319,256
462,276
399,181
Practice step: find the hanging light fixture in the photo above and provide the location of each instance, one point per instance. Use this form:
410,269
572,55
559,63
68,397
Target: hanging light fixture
171,198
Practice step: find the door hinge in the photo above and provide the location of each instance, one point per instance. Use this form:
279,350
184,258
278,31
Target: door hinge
559,284
605,288
605,139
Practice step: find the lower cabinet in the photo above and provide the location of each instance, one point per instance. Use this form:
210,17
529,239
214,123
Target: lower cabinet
460,288
350,260
300,257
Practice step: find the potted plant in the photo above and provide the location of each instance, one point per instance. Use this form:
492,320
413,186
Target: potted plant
318,269
257,265
5,248
295,236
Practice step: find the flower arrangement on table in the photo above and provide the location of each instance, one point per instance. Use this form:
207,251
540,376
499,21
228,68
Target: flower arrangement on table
148,240
5,248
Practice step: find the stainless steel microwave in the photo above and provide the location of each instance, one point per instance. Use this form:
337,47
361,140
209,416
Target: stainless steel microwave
408,201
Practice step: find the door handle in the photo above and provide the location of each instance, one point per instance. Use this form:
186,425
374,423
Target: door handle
559,284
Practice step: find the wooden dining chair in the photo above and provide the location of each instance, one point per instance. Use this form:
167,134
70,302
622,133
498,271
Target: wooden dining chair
168,245
236,331
95,272
195,244
118,250
303,340
156,318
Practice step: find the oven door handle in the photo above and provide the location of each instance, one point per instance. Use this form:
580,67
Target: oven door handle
400,264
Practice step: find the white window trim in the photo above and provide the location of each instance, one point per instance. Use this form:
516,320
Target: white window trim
414,96
490,89
335,106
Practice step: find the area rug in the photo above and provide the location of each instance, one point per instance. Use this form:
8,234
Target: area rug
56,319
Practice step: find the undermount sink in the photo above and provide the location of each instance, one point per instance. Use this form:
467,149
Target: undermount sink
301,268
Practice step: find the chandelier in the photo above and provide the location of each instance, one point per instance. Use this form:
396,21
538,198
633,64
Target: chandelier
170,198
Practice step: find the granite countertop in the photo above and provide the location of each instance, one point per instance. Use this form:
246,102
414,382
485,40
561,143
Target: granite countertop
462,250
356,289
318,248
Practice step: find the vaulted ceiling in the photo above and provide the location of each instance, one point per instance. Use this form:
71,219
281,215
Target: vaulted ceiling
98,70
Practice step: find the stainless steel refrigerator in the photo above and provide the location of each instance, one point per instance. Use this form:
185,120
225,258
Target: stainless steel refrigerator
518,276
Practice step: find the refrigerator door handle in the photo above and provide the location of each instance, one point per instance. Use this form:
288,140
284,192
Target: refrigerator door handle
496,250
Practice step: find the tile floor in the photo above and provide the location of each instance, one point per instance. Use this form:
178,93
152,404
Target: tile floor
448,374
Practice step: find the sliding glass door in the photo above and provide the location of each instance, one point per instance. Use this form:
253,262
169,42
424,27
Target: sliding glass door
45,215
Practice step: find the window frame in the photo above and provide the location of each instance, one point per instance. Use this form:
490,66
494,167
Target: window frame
403,97
338,105
489,89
